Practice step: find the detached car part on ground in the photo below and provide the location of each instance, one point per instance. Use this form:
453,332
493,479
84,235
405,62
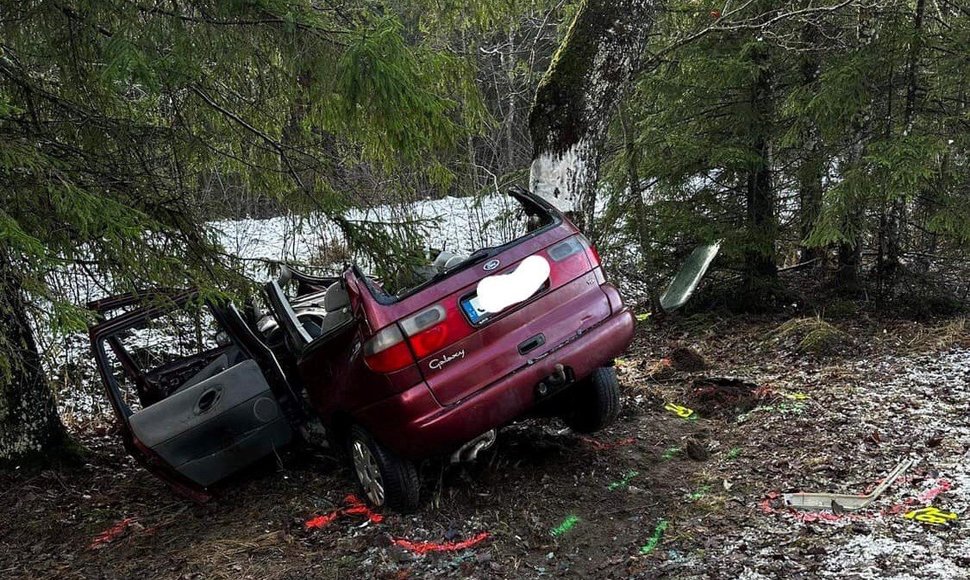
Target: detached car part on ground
394,378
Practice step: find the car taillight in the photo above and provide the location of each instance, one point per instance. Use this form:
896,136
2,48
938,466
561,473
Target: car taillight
425,330
572,247
434,328
387,351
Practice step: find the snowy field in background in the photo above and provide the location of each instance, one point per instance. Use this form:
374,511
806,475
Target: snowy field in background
460,225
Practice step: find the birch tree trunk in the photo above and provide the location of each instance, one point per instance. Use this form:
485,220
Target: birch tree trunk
577,97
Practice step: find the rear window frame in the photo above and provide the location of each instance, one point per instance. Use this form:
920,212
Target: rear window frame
531,204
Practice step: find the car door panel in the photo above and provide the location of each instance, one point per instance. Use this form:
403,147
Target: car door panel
210,429
218,411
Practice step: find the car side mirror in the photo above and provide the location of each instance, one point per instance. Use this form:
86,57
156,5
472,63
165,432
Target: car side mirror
682,286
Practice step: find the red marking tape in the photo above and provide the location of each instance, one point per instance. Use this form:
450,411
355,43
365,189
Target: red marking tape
355,507
425,547
320,521
111,534
930,494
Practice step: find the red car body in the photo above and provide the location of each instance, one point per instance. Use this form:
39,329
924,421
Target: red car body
423,372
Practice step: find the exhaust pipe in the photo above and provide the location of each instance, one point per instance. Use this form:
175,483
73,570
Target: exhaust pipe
469,451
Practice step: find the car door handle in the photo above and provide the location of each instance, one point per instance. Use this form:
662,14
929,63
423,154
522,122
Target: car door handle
532,343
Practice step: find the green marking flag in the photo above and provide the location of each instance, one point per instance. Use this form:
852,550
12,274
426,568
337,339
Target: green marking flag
566,525
623,482
658,534
670,453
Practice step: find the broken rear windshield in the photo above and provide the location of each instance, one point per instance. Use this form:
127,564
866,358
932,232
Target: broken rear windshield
474,230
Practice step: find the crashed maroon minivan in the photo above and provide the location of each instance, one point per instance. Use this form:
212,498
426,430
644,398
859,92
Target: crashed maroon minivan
395,378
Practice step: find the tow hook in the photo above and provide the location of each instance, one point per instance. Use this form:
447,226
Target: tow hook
557,379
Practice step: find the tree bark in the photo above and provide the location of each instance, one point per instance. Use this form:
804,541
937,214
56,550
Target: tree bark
759,259
893,232
812,167
29,425
847,276
577,97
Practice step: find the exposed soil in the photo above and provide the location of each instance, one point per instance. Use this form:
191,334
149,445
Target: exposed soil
699,494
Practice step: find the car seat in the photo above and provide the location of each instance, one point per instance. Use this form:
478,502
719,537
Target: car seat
336,302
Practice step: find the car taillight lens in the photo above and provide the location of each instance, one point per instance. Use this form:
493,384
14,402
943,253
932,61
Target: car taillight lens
434,328
387,351
425,330
571,247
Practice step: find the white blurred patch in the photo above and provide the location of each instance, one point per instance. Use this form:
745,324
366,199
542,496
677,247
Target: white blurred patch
496,293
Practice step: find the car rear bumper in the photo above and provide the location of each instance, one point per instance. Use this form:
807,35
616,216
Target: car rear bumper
415,426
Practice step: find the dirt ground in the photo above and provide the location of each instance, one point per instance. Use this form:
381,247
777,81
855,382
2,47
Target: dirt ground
655,496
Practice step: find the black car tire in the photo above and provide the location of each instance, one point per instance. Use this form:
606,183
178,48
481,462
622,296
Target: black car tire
595,402
399,476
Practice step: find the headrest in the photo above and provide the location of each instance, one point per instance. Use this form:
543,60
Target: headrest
336,297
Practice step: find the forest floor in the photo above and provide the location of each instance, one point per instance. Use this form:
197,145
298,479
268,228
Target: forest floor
656,495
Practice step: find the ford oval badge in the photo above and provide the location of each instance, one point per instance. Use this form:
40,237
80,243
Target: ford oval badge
490,265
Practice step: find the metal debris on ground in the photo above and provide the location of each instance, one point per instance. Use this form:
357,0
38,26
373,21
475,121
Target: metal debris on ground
425,547
772,504
836,501
625,482
655,538
932,516
566,525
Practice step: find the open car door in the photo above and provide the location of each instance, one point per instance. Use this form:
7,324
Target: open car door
198,395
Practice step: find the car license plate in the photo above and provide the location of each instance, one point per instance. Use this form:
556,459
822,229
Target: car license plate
472,308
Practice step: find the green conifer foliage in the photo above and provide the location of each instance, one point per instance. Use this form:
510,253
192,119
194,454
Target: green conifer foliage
116,116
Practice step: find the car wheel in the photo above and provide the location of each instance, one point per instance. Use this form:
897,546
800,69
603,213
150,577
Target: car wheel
385,478
595,402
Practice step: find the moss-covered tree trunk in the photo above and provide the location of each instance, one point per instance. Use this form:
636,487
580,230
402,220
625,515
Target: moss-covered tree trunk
29,425
577,97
